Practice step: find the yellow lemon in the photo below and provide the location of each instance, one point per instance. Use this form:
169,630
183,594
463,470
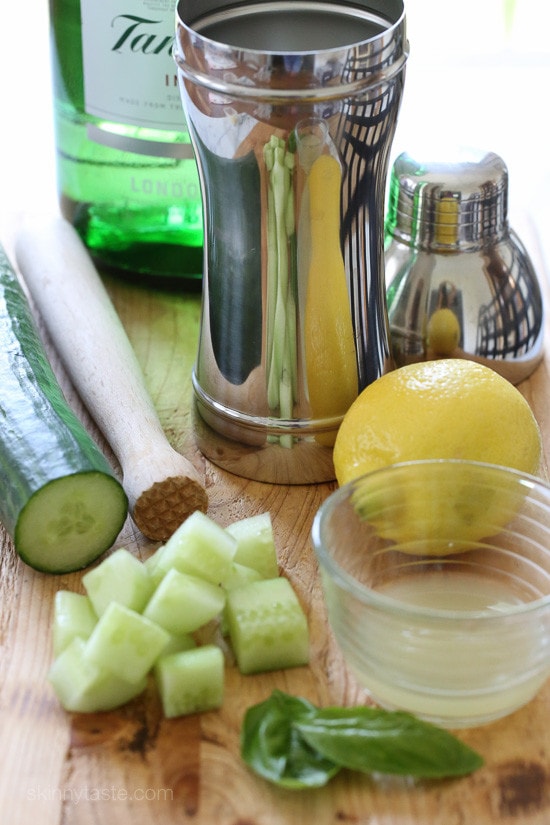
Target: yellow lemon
445,409
449,408
435,508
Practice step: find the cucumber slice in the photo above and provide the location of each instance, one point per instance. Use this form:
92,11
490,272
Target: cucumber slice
183,603
84,687
119,578
201,548
267,626
126,643
73,617
191,681
255,544
61,503
70,521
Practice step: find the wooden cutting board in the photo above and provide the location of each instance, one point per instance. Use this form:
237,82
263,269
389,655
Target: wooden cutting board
131,766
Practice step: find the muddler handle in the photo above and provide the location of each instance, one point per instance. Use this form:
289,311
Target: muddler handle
162,486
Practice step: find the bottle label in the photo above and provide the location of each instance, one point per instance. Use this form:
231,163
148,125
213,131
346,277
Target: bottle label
130,75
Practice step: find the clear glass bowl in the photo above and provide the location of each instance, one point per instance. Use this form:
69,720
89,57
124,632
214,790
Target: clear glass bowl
436,576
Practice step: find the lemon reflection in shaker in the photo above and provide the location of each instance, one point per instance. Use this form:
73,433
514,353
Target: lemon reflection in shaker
443,332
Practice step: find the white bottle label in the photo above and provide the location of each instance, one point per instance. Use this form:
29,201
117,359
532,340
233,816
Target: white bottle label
129,72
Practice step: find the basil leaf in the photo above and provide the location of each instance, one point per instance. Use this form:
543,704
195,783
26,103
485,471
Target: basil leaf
374,740
292,743
273,747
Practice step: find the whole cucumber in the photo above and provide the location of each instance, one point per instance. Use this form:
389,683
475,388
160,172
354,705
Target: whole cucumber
60,500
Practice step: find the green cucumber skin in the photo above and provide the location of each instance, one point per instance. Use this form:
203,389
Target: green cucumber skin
41,438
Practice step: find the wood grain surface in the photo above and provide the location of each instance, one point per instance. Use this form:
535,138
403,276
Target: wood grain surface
131,766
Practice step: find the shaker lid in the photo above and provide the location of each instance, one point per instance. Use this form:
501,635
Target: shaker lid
448,205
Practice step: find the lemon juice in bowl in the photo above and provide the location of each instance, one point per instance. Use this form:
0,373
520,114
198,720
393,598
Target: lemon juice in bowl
447,672
454,628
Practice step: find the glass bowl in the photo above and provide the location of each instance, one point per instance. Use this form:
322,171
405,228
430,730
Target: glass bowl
436,577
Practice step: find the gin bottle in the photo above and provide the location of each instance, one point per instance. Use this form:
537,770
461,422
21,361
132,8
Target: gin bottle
126,174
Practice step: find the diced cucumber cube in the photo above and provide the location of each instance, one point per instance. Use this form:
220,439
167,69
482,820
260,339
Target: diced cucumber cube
119,578
267,626
241,574
73,617
126,643
191,681
179,642
256,544
183,603
153,567
83,687
201,548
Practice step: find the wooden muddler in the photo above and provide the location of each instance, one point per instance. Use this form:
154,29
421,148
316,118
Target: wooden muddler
162,486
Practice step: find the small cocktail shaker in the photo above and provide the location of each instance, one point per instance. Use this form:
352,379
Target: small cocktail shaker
459,281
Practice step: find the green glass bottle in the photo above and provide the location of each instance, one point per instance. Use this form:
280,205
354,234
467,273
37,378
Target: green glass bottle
127,177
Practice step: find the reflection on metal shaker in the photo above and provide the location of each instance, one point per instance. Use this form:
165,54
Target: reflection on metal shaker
459,281
291,137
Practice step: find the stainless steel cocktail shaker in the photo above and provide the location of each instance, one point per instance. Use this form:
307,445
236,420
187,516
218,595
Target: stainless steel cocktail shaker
291,106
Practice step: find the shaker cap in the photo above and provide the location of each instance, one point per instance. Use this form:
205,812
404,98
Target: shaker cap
448,206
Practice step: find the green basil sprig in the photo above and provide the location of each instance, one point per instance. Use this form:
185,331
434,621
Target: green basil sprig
292,743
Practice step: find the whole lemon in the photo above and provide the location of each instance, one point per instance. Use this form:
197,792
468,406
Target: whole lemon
445,409
449,408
